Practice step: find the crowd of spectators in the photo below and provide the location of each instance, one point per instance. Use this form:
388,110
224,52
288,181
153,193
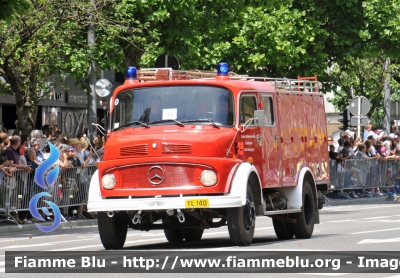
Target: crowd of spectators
374,145
27,151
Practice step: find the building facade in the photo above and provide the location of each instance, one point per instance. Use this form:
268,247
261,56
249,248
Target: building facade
67,107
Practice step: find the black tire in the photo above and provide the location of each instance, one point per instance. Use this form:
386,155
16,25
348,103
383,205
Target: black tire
112,230
192,234
320,206
283,230
172,235
241,228
304,226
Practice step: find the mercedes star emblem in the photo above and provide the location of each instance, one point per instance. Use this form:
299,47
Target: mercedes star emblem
155,175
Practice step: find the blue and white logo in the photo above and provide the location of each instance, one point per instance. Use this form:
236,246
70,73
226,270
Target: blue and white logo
45,182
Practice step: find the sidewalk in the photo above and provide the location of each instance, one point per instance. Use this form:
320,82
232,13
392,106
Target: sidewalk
11,229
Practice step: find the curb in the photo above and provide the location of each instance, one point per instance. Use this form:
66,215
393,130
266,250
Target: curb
358,201
14,229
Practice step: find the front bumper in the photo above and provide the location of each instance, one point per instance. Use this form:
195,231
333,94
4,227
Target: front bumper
160,203
98,203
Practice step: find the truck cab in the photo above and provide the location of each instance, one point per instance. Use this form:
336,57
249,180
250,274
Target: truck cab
188,151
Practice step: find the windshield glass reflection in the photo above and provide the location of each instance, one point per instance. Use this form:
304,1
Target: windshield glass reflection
162,105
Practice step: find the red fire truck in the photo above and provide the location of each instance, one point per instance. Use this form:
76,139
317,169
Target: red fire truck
190,150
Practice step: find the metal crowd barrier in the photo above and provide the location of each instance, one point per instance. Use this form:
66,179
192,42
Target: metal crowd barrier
70,189
363,174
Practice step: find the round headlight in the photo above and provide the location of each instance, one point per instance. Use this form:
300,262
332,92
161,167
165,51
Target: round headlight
208,178
108,181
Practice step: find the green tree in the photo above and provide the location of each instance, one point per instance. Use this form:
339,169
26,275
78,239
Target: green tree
29,57
10,7
35,54
377,39
277,38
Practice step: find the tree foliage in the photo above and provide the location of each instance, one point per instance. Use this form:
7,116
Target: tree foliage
378,39
10,7
29,57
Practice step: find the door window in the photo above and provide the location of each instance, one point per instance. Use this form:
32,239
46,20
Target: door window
268,107
247,106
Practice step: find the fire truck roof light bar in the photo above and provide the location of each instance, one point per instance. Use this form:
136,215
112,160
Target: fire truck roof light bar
131,73
222,69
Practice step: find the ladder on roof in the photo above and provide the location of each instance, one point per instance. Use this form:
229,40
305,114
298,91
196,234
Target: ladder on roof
302,84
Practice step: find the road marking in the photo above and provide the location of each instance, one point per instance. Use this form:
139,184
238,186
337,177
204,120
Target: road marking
388,221
150,234
31,245
379,217
36,236
370,218
336,221
324,274
388,240
375,231
357,208
43,244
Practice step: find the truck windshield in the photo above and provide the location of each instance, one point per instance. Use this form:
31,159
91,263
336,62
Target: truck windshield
162,105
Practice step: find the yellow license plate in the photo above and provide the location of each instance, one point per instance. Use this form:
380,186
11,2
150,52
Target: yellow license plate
197,203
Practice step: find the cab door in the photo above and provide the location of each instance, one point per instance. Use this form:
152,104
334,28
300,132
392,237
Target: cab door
249,137
271,157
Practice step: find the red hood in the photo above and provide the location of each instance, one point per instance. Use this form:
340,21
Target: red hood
190,140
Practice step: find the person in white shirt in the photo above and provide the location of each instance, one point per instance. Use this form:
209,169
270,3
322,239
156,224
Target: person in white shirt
375,132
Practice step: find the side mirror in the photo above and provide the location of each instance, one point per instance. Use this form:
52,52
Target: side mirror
259,118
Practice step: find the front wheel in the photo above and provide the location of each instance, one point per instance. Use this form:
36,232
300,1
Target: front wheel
112,230
242,221
304,226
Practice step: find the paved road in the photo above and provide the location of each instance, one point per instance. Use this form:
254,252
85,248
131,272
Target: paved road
373,227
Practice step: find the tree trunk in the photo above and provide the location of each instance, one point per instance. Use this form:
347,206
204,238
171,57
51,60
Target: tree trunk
132,57
27,108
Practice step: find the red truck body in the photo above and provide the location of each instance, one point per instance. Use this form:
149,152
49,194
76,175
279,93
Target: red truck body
268,156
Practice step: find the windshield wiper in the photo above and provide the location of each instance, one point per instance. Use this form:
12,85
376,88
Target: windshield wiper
202,121
167,120
133,123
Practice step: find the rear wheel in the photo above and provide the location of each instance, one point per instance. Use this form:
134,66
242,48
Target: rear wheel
242,221
172,234
283,230
112,230
304,226
192,234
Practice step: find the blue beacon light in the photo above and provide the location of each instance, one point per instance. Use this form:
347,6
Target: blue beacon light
222,72
222,69
131,75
